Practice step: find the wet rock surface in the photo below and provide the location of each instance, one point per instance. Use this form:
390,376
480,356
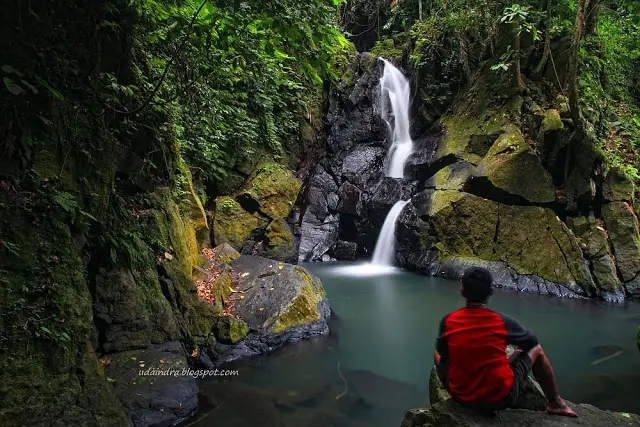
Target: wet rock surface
154,400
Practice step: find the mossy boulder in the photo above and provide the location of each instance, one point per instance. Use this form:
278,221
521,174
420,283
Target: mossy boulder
273,190
229,330
551,121
280,242
512,166
531,240
280,298
562,105
224,254
231,223
452,177
624,233
617,187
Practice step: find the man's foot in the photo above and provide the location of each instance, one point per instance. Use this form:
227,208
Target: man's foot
561,408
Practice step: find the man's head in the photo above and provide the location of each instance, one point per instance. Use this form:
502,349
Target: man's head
476,285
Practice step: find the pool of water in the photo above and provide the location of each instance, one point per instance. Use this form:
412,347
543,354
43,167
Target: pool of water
375,363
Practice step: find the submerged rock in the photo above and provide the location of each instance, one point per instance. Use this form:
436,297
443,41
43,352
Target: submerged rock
154,385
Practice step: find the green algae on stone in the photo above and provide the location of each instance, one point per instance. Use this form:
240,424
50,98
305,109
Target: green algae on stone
229,330
274,189
551,121
512,166
231,223
303,309
532,240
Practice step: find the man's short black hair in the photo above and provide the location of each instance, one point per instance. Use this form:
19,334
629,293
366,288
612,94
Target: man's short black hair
476,283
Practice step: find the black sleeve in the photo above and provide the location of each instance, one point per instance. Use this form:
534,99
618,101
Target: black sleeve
441,342
518,335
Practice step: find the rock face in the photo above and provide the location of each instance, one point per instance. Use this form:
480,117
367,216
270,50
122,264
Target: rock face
154,384
272,303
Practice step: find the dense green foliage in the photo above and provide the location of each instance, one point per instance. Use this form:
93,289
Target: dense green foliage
237,74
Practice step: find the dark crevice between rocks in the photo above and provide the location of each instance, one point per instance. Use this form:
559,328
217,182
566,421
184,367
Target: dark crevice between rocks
248,203
497,231
422,172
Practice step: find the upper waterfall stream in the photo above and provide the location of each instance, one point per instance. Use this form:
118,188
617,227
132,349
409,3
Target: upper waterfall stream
395,91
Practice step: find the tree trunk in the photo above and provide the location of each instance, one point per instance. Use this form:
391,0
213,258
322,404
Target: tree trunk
420,10
593,13
572,76
547,41
517,71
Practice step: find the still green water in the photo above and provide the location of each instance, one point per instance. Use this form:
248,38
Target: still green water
375,363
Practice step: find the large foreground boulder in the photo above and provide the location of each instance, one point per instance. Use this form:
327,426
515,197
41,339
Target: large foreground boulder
271,303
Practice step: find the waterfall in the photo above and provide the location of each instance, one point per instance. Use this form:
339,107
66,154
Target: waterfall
385,246
395,87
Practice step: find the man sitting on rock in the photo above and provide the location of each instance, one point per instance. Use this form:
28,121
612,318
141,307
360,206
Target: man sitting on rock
470,354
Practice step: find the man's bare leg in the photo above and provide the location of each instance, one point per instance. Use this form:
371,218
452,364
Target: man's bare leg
543,371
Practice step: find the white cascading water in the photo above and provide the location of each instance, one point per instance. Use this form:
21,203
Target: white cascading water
395,86
385,246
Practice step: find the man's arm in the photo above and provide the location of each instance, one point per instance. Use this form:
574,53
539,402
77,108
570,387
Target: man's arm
518,335
441,355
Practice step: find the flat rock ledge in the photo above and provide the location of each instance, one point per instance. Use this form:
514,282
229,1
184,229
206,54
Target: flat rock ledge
451,414
444,412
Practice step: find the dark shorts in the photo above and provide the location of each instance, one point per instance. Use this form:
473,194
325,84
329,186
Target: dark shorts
520,365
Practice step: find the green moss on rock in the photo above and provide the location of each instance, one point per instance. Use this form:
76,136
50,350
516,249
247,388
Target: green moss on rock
511,166
229,330
224,254
275,190
551,121
303,309
231,223
532,240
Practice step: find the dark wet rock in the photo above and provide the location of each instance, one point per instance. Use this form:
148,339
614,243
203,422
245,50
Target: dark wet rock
154,385
351,201
363,165
278,302
389,191
317,237
346,251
